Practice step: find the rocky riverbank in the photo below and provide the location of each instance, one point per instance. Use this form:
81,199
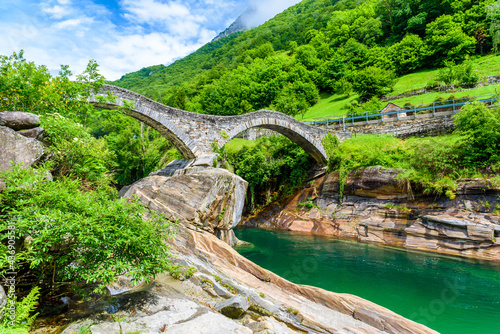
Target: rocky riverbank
377,208
226,294
213,289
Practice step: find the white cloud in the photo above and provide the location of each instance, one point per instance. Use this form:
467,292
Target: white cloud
148,11
265,10
72,23
138,51
122,40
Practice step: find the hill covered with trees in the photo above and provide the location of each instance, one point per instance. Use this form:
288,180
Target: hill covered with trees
323,46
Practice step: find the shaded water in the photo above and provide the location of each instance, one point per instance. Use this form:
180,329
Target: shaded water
447,294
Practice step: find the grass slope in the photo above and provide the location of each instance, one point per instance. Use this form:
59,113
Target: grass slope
332,105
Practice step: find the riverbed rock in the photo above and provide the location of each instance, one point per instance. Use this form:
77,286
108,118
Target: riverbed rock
18,149
376,182
379,210
18,120
3,301
234,307
205,197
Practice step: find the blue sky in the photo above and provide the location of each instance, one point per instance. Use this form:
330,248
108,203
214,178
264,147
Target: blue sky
122,35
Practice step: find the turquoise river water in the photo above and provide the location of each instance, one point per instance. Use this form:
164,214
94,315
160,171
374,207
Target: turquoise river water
449,295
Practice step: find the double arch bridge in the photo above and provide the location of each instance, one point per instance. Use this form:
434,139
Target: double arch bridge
193,134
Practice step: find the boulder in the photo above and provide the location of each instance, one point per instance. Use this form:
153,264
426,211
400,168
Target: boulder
17,148
209,198
19,120
234,307
3,301
35,133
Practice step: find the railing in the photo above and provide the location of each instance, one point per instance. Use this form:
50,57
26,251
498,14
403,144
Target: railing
402,112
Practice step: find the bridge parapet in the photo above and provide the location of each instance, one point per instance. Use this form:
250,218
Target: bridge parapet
193,134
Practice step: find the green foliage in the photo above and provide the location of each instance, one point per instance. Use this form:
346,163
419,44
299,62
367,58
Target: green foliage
431,164
66,233
479,128
22,319
309,204
27,87
138,150
447,41
373,82
76,153
408,54
461,74
274,164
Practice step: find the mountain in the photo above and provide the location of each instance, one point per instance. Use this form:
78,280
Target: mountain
238,25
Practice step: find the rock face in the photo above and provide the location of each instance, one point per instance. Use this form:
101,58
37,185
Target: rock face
17,148
208,198
379,209
18,120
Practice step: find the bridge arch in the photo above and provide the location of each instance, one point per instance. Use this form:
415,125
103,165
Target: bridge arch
193,134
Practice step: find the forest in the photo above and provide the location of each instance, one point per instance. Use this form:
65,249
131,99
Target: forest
314,47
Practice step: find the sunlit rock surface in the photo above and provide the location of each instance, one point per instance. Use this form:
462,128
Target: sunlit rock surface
266,303
204,197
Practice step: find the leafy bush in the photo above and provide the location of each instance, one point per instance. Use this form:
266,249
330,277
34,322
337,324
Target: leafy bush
373,81
462,74
68,234
479,128
22,320
76,152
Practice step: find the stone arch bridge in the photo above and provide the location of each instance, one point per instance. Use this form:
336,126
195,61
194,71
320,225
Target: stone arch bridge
193,134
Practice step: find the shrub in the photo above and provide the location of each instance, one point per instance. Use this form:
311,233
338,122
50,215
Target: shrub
77,154
22,320
373,81
68,234
479,128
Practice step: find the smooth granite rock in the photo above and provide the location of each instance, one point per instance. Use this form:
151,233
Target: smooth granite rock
209,198
234,307
18,149
19,120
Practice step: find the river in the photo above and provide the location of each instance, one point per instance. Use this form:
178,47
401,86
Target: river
449,295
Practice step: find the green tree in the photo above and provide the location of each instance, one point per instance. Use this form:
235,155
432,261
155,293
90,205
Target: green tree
493,15
373,81
479,127
67,234
408,54
447,41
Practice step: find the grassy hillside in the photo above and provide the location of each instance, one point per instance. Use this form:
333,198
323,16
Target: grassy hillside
334,104
306,60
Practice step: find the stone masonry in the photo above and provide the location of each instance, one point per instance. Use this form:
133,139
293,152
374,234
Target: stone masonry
193,134
421,125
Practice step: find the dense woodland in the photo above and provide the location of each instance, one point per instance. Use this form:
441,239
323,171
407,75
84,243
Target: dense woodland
323,46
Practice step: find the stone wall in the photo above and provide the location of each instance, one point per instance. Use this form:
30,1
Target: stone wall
255,133
421,125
